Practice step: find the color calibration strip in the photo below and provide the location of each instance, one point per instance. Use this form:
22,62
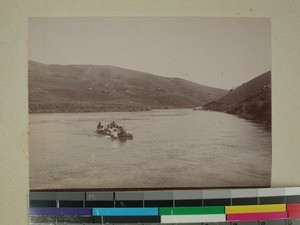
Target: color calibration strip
189,206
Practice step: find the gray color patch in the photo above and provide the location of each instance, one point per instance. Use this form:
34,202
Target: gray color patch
292,191
187,194
99,196
272,222
268,192
216,194
158,195
224,223
292,222
70,196
42,196
244,193
130,195
246,223
34,219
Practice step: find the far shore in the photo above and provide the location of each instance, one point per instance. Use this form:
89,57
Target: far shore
133,109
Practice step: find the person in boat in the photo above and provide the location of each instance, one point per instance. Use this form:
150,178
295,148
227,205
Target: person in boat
113,124
121,130
115,133
105,129
99,126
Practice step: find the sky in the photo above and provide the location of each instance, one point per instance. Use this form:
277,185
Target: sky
217,52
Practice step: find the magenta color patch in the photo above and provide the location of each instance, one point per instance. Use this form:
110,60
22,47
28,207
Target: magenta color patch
256,216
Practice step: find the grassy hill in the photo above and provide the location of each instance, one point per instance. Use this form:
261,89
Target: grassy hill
251,100
90,88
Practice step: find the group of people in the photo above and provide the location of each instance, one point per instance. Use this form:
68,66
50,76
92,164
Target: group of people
112,128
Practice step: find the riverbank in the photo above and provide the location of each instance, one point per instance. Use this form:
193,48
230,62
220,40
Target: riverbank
86,107
256,108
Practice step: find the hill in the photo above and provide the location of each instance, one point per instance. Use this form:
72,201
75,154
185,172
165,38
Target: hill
251,100
91,88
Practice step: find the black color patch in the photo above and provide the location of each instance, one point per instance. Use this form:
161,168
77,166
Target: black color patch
38,203
94,204
159,203
216,202
244,201
129,204
187,203
70,204
272,200
293,199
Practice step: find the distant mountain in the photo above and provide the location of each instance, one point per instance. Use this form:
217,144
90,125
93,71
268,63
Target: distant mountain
251,100
90,88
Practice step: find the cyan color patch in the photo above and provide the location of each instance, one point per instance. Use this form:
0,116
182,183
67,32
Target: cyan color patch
125,212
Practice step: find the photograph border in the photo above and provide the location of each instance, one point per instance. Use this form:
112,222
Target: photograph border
285,18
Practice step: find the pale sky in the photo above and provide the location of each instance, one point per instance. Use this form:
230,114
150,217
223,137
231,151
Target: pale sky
218,52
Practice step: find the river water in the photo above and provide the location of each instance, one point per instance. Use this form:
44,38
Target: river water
171,148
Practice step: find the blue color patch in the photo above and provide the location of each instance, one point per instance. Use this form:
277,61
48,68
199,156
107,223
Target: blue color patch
59,211
125,212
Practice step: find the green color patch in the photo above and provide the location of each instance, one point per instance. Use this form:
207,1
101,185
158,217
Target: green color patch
192,210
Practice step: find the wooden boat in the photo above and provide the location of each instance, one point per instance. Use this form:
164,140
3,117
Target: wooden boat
124,135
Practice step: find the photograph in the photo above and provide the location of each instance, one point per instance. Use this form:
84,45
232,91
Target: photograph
149,102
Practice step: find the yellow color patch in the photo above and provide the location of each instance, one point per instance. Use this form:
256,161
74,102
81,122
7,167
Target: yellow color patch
255,208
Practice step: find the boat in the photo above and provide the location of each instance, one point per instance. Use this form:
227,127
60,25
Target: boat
125,135
115,132
114,135
198,108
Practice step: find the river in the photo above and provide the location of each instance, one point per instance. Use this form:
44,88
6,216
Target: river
171,148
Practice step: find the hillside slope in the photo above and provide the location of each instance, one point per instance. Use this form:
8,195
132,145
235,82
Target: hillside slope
251,100
90,88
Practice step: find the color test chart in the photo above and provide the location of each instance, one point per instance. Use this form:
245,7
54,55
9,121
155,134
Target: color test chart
227,206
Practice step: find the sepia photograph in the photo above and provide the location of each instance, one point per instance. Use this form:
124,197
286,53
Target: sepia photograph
149,102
